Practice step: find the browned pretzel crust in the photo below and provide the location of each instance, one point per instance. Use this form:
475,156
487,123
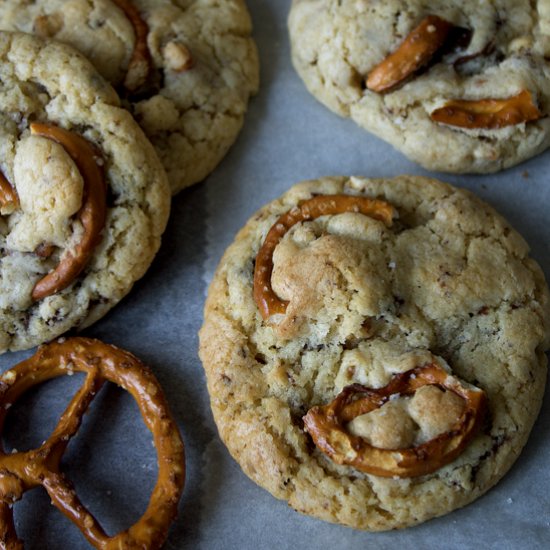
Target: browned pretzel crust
8,197
21,471
414,52
327,426
323,205
141,63
488,113
92,213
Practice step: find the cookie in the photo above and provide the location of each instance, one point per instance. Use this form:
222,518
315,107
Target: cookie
186,69
374,348
83,196
455,86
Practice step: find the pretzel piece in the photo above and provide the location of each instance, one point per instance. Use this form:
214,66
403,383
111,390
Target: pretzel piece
488,113
141,63
327,425
415,51
92,213
21,471
9,200
322,205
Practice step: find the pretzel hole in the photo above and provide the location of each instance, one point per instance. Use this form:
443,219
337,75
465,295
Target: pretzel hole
38,505
114,472
33,417
111,464
30,421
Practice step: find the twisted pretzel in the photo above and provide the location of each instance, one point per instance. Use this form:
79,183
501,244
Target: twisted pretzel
22,471
326,425
323,205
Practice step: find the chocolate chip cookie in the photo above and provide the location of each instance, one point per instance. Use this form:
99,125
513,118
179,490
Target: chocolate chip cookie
83,196
455,86
185,68
374,348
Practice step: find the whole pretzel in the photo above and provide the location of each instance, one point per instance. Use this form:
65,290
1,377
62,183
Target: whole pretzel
327,425
92,213
21,471
322,205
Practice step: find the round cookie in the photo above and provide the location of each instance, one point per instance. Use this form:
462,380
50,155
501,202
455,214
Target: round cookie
446,282
204,67
440,81
84,198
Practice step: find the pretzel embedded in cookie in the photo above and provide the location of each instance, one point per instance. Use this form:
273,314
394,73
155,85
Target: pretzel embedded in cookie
92,213
322,205
8,196
414,52
327,425
141,63
488,113
22,471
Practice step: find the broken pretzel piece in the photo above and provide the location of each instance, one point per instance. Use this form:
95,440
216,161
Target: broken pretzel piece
141,63
323,205
9,200
92,213
25,470
488,114
414,52
327,425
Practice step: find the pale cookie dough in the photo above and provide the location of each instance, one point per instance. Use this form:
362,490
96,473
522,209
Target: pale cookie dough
50,83
337,44
205,67
450,282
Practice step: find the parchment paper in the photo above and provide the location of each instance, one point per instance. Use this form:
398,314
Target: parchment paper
288,136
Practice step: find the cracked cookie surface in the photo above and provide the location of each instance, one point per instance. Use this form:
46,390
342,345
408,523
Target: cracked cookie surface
50,83
448,282
204,68
494,50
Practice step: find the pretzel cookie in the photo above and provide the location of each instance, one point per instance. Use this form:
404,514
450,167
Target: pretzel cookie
83,197
374,348
456,86
185,67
